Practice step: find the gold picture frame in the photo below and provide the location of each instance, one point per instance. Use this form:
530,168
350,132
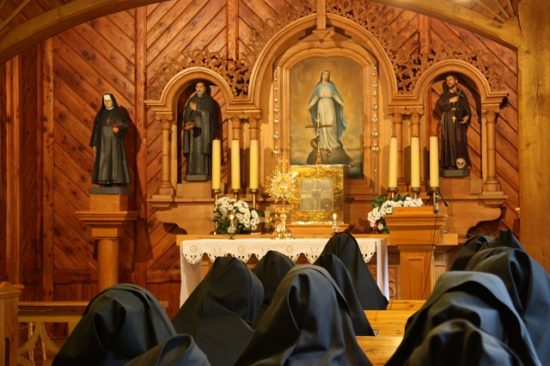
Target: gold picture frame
319,194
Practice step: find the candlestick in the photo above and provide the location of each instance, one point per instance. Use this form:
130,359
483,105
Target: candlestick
216,165
254,165
415,162
434,162
392,177
235,166
334,222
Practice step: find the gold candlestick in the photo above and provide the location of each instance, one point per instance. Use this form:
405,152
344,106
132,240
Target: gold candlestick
415,192
253,191
392,193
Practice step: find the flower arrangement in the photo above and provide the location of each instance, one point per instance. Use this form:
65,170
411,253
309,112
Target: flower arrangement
245,219
382,207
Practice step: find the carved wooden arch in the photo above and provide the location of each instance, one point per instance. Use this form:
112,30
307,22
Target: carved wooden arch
288,37
490,107
489,98
166,106
345,49
165,109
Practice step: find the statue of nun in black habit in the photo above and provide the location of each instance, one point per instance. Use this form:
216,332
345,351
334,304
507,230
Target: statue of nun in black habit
110,126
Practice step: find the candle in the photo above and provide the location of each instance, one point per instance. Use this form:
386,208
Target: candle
254,165
235,166
392,178
216,165
434,162
415,162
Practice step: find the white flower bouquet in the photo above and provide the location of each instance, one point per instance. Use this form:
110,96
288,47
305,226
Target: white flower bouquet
245,219
382,207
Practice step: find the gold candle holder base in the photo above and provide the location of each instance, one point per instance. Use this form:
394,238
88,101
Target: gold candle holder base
253,191
435,196
392,193
236,194
216,195
415,192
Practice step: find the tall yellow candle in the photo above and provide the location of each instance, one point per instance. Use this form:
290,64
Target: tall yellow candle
235,166
392,177
216,164
415,162
434,162
254,157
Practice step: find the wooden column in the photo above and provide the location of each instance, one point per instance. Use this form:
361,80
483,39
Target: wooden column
107,217
397,130
166,188
173,154
415,124
9,295
232,29
534,128
491,184
13,171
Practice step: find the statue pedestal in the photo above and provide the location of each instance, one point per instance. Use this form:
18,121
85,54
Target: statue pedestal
417,231
107,216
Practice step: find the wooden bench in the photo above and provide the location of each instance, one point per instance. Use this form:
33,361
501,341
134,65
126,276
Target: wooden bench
413,305
388,322
378,349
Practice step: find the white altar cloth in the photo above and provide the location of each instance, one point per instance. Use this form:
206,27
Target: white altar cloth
192,251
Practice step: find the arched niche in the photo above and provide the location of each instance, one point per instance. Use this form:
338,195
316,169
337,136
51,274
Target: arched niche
293,34
300,40
489,106
354,70
165,110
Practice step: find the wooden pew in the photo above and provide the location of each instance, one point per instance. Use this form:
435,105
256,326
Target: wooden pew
413,305
388,322
378,349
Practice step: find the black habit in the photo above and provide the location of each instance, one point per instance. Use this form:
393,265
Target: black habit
220,311
308,323
119,324
110,165
344,246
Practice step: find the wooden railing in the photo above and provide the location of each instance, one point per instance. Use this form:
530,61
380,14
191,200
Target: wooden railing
47,325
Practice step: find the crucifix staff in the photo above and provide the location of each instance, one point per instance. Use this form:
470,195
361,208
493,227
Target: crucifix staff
317,126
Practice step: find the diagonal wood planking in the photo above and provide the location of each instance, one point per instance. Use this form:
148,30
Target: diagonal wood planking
174,27
507,159
90,59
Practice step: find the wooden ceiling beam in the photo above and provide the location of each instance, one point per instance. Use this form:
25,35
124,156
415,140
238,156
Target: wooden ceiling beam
507,33
59,19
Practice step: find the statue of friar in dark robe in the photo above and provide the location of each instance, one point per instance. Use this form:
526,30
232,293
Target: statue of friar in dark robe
201,119
454,109
110,125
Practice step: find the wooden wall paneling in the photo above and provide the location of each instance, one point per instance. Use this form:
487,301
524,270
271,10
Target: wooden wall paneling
140,182
182,24
13,184
30,152
88,60
48,143
3,174
232,29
